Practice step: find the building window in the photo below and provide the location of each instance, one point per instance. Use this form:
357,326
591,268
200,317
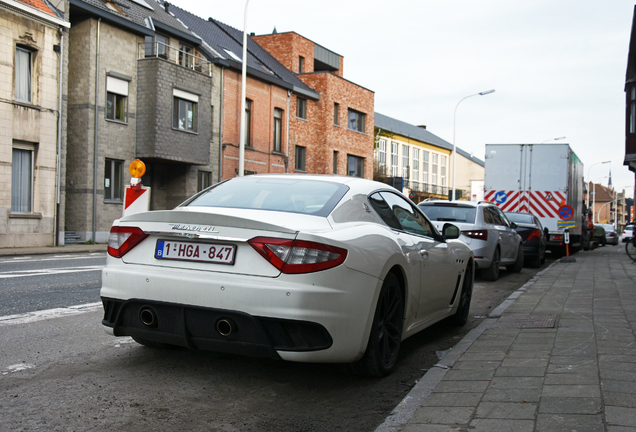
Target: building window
336,109
632,111
405,161
442,174
156,46
113,190
355,166
185,111
301,108
186,56
300,158
22,180
424,167
356,120
301,64
335,162
394,159
278,129
416,165
434,169
116,99
23,72
382,156
204,180
248,122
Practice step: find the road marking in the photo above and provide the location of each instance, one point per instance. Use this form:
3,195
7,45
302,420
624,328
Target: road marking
17,368
42,272
23,259
42,315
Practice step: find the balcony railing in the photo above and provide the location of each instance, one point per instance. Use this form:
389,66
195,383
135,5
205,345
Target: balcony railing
179,57
426,187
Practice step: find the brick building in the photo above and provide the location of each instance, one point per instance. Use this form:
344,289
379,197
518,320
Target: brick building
140,88
32,130
334,134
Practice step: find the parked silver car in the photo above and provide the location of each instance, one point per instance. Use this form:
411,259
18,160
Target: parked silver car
611,236
485,229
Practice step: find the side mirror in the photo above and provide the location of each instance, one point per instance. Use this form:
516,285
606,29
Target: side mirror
451,232
513,225
546,232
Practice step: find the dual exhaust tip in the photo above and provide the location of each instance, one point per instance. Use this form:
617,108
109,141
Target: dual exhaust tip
224,326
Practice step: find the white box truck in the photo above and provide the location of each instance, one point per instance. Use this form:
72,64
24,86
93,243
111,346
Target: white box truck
545,180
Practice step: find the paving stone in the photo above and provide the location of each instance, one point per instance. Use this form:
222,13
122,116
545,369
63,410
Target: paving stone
506,410
452,399
520,371
516,382
619,399
569,423
570,405
620,416
443,415
476,365
501,425
571,391
448,386
590,378
512,395
618,386
469,374
525,362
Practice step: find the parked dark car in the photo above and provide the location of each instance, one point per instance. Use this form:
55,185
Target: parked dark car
534,237
599,235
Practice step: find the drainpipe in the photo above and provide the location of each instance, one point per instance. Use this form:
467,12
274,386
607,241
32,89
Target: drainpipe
221,128
287,133
99,21
59,141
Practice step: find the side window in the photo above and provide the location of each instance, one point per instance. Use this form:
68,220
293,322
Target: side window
502,217
400,214
488,217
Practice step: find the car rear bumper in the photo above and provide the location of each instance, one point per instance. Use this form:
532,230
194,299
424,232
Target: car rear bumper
293,317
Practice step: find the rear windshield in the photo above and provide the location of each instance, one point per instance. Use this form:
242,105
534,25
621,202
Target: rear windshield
449,213
520,218
291,195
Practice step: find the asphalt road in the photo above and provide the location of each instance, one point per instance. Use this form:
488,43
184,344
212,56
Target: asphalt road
59,370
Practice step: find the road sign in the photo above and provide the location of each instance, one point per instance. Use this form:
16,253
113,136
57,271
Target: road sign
501,197
566,212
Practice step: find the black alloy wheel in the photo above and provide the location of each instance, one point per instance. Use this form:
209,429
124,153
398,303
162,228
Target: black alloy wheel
492,272
461,315
382,351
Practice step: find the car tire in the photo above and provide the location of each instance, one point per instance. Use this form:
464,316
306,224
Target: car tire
492,273
382,350
460,317
518,265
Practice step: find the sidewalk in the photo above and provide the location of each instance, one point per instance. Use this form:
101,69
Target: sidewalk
75,248
558,355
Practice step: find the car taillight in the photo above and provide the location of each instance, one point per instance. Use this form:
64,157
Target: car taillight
534,235
123,239
298,256
612,234
476,234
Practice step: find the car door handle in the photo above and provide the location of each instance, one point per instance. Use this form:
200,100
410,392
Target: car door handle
424,253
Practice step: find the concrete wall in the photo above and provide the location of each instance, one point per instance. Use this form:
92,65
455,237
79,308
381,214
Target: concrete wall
33,124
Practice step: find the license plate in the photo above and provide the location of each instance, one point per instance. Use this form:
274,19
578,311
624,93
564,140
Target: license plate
193,251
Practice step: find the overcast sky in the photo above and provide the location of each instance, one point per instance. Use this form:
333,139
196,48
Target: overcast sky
558,67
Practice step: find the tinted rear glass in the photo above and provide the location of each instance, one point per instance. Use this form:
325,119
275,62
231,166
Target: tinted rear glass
520,218
291,195
449,213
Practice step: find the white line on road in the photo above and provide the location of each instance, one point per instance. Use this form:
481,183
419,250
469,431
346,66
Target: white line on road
42,272
35,316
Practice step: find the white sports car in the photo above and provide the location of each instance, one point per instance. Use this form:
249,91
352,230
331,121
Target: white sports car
297,267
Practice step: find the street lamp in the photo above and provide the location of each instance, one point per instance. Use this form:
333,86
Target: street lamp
243,81
553,139
587,204
455,130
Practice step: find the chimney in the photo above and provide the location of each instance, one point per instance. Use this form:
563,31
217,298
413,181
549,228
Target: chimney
166,5
422,126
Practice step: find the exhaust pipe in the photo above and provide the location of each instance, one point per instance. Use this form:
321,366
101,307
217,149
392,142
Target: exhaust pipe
148,317
226,327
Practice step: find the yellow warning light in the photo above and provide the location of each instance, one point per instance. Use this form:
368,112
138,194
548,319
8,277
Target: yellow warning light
137,168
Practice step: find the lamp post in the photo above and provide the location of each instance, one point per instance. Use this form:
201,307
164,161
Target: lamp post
455,130
587,204
241,168
553,139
